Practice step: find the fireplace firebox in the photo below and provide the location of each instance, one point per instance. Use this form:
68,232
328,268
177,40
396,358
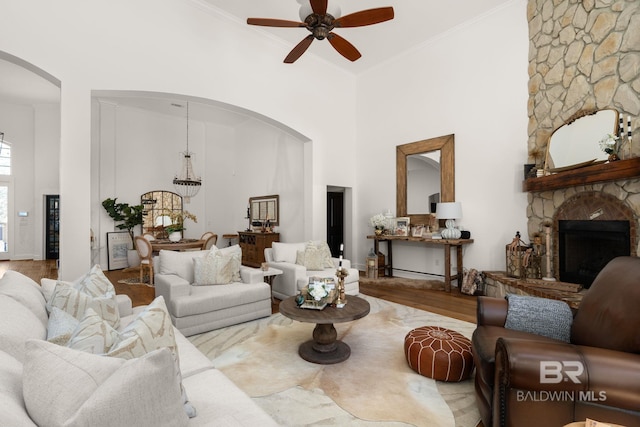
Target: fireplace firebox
585,247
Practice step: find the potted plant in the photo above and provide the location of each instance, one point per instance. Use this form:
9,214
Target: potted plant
177,223
128,217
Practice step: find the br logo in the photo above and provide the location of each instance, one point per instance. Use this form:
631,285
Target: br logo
554,372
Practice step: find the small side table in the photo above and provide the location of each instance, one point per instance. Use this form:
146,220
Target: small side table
230,237
268,277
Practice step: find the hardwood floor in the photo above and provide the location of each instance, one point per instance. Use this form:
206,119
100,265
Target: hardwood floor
454,304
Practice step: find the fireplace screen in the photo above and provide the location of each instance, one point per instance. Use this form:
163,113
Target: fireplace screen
585,247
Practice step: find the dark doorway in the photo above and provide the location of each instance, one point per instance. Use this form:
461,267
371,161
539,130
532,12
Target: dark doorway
335,221
52,231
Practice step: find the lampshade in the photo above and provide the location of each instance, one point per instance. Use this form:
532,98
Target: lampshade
449,210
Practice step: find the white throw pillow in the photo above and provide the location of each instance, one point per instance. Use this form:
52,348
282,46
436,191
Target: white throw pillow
61,326
215,269
179,263
93,334
286,252
150,330
76,303
62,386
24,290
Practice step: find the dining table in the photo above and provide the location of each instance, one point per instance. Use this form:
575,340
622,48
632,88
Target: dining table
181,245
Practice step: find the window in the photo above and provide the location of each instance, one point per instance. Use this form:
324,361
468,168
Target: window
5,156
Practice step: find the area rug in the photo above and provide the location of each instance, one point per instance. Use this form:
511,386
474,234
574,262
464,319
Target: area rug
375,386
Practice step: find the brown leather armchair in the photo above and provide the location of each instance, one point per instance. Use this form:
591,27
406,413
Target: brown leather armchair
524,379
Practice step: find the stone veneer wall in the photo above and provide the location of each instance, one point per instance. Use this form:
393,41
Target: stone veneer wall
583,55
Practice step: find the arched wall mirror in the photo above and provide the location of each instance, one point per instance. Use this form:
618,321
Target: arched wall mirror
157,206
576,143
429,151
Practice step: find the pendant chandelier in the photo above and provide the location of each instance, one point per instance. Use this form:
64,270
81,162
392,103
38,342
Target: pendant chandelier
187,184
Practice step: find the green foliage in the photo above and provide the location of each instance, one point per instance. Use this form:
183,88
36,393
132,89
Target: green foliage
128,216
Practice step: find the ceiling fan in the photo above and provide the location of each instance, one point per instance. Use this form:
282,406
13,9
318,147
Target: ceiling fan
320,24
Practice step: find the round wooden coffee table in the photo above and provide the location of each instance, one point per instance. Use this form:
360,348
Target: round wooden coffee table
325,348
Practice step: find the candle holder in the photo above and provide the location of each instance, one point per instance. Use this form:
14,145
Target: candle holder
341,300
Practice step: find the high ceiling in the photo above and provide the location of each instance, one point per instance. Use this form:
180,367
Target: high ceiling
415,22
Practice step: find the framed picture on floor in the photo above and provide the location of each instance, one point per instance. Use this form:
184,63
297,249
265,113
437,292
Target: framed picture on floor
118,245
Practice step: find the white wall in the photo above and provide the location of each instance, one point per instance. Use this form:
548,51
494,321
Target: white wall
472,82
177,47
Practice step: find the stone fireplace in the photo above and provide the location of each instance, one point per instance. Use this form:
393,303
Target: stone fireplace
583,55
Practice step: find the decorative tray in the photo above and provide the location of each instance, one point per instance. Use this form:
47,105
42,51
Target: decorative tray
313,305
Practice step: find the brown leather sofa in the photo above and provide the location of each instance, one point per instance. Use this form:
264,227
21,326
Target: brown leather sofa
605,346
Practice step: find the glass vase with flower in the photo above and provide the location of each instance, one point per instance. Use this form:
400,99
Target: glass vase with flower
378,222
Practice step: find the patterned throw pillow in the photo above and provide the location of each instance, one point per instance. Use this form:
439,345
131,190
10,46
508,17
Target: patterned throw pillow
93,334
317,256
76,303
215,269
61,326
151,330
85,389
313,258
235,252
94,283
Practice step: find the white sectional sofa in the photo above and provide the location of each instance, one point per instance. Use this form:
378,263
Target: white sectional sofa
23,326
295,277
197,309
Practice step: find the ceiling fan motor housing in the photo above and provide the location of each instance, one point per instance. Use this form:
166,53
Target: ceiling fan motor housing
320,25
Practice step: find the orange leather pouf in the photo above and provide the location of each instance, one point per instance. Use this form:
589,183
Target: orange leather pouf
439,353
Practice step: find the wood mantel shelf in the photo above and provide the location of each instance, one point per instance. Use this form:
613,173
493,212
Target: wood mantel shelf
621,169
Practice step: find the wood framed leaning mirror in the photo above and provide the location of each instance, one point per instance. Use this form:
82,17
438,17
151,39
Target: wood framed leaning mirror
265,208
439,149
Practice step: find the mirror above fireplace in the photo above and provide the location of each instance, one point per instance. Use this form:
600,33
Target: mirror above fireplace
576,143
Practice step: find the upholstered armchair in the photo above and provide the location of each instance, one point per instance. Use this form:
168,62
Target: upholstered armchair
289,257
524,379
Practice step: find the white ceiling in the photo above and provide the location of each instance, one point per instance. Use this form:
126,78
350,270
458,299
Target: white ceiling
416,22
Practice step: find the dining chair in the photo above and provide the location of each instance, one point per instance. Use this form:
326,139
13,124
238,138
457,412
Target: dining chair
209,241
207,234
143,246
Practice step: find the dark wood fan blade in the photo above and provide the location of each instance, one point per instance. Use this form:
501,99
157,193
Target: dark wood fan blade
365,17
297,51
343,47
267,22
319,6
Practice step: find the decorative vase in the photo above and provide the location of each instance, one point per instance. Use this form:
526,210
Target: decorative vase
613,157
175,236
132,258
379,231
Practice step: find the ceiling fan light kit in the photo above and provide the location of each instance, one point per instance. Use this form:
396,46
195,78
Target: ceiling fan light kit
321,24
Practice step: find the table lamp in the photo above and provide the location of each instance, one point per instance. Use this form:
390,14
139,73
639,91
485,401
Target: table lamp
449,211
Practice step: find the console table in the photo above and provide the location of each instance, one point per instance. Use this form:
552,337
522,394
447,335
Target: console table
253,245
444,243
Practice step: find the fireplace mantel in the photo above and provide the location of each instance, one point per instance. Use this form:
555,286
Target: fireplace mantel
621,169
